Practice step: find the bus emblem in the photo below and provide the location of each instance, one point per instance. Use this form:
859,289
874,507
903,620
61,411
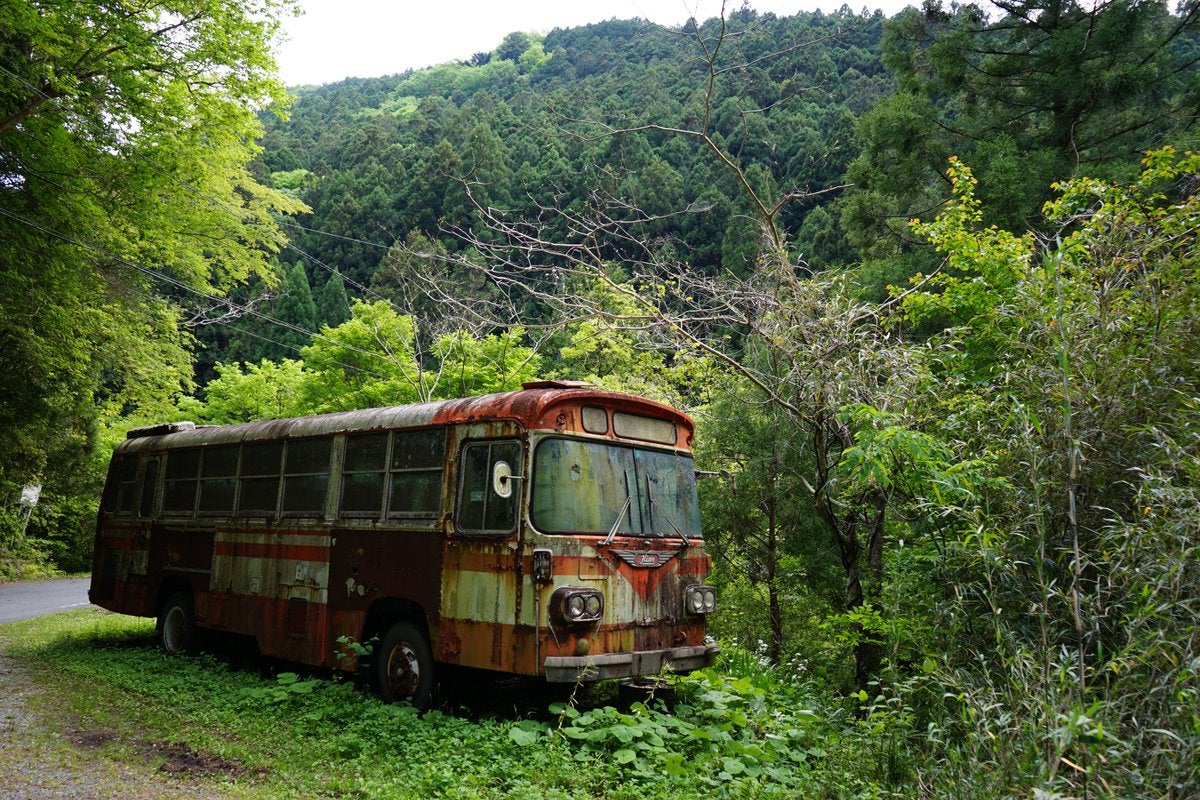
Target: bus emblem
643,558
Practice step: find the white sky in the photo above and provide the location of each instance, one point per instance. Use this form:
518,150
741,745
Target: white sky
337,39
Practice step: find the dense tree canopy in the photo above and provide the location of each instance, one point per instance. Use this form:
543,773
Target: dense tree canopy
1030,92
948,412
126,205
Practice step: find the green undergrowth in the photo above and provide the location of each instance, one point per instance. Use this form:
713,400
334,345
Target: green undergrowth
733,731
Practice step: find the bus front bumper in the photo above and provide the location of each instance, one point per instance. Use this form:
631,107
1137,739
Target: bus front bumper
573,669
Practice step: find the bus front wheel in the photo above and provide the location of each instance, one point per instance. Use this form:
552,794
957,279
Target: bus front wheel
177,623
404,666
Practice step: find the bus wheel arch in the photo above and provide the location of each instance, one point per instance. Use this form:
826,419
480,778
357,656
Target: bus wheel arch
404,667
401,666
176,625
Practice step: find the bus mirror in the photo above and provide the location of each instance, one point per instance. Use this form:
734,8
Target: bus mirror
503,478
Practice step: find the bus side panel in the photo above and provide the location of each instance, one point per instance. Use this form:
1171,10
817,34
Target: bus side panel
383,574
121,579
272,584
480,602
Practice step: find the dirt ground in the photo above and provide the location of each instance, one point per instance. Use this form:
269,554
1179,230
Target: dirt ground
41,758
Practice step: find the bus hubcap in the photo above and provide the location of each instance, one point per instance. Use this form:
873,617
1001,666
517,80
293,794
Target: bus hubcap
403,670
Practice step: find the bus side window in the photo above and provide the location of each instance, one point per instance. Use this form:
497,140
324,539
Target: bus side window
146,501
218,479
181,479
118,495
259,491
480,509
362,475
418,458
306,477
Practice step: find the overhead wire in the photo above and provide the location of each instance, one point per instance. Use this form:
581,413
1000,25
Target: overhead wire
168,279
196,193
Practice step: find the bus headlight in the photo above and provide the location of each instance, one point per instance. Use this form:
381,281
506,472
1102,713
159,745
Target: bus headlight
570,604
699,599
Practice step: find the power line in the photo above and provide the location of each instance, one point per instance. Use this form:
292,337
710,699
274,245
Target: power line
197,292
196,193
335,235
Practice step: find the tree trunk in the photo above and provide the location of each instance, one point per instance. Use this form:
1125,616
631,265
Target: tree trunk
775,652
868,655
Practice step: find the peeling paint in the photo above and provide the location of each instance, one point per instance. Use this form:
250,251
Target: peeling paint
270,577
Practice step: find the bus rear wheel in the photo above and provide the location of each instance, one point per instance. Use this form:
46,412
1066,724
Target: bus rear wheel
177,623
404,666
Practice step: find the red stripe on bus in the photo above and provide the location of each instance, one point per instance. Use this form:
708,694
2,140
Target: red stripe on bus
282,552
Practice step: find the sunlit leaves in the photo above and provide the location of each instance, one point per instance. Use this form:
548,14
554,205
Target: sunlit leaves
977,262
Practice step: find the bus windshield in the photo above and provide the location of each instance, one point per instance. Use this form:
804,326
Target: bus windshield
585,487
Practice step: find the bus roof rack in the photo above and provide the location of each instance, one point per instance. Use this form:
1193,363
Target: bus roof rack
162,429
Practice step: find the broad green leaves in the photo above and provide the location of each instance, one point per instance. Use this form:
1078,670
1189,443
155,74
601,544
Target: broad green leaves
126,132
368,361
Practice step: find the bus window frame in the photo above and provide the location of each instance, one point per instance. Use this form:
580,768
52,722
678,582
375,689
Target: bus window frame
259,512
378,513
389,471
206,454
284,475
392,471
516,498
170,456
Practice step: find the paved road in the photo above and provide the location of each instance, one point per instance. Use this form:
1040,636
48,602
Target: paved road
33,599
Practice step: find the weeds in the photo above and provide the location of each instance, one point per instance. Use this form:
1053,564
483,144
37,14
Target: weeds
727,735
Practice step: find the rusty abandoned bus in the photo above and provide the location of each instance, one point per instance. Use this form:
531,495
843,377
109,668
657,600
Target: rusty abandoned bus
551,531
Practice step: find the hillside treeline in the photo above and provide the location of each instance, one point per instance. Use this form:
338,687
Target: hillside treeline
927,285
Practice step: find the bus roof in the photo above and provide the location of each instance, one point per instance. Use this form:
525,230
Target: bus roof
536,405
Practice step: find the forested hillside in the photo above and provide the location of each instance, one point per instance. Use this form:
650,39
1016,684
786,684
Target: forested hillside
927,285
382,160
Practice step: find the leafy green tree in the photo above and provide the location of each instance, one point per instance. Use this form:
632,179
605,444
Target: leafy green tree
1036,93
267,390
333,304
471,366
1073,365
513,46
293,317
366,362
125,137
770,554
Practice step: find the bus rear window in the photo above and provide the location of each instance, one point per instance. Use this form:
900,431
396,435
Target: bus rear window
118,495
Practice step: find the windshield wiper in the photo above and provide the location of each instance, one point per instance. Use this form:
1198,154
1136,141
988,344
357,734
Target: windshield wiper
617,524
686,541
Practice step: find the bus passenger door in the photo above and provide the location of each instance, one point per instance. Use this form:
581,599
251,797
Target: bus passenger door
481,576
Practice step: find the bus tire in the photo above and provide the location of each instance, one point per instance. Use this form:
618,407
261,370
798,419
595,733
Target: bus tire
176,627
404,666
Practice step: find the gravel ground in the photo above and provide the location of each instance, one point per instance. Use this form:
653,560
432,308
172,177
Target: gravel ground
43,759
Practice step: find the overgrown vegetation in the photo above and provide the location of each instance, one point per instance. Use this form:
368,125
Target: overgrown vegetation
950,411
738,730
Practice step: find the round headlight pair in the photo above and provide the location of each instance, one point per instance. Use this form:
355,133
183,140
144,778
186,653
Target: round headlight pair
701,599
578,605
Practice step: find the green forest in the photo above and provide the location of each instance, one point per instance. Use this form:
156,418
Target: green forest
927,285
